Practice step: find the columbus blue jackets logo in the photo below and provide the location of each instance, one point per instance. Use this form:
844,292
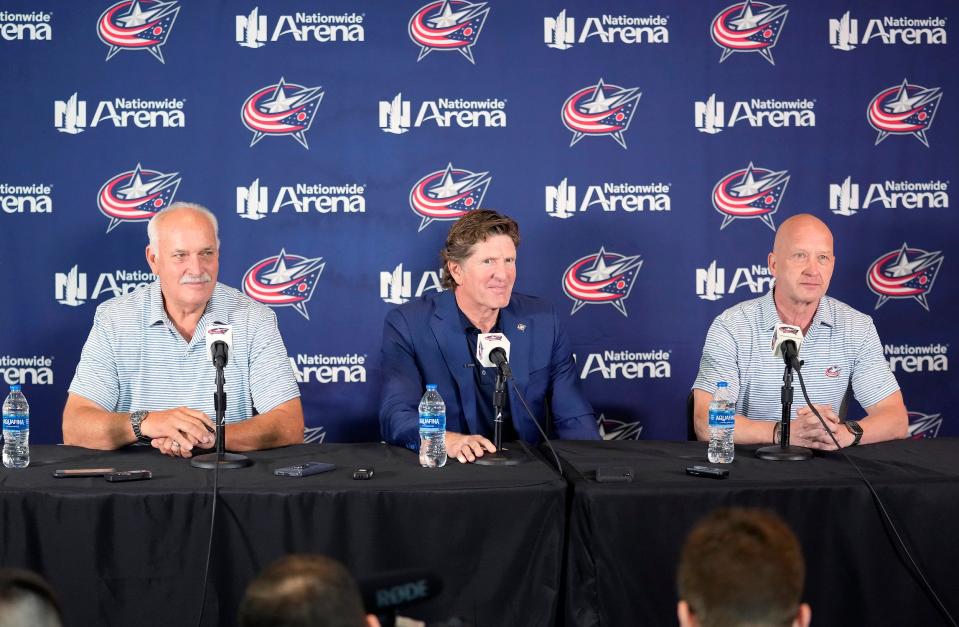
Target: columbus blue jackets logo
612,429
448,26
600,279
282,109
137,25
600,110
750,193
448,194
136,195
749,26
284,281
923,426
904,273
904,110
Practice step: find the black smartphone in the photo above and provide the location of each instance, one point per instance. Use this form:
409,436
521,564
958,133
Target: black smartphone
82,472
707,471
614,474
304,470
128,475
363,472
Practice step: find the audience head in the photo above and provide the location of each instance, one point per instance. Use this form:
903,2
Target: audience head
27,601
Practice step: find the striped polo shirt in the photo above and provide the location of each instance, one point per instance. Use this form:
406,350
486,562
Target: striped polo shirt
841,346
135,358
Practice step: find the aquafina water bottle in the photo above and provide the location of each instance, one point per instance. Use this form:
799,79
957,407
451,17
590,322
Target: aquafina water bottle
432,429
722,422
16,429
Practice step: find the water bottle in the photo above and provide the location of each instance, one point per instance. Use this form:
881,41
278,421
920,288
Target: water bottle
432,429
16,429
722,422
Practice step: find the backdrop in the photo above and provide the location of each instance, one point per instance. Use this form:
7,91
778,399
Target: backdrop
647,149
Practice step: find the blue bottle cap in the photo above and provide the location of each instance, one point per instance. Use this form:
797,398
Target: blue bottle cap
430,387
15,388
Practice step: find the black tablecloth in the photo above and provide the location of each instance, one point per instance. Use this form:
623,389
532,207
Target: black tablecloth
133,553
625,538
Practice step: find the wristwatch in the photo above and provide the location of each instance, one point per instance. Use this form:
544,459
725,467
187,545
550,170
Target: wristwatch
136,419
855,430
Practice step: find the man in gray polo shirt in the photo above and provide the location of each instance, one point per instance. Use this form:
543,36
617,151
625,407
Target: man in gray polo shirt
840,348
144,373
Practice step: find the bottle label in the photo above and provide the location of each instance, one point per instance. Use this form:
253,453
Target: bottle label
15,423
722,418
432,422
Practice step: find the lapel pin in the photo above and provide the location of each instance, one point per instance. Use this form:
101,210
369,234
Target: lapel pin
521,327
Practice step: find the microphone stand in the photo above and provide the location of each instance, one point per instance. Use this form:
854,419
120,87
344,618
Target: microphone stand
783,452
220,459
501,457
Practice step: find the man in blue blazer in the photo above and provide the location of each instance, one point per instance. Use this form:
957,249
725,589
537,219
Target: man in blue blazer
433,340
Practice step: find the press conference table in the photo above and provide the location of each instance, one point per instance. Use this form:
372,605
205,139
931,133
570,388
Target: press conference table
133,553
625,538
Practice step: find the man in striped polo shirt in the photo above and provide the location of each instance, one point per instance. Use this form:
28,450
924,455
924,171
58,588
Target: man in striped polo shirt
144,373
840,348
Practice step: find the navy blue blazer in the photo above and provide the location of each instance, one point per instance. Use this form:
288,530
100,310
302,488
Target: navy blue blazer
424,342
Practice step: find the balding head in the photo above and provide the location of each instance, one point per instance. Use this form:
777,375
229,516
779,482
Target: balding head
800,224
180,210
802,261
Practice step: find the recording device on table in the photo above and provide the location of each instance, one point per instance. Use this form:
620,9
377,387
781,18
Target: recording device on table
707,471
128,475
304,470
614,474
787,339
82,472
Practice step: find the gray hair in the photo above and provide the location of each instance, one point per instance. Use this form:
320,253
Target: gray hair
153,226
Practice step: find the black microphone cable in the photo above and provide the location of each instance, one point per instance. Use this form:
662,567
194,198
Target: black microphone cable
209,546
882,508
522,400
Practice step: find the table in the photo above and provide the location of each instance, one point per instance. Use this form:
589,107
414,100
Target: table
133,553
625,538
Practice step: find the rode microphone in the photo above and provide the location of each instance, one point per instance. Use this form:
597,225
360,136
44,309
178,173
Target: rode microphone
492,351
389,592
219,344
787,339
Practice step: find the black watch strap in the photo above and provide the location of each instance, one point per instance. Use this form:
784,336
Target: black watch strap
855,430
136,419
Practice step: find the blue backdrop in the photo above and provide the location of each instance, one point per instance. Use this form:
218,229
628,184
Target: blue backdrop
659,142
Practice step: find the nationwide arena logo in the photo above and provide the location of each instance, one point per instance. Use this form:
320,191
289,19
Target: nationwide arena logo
601,279
350,368
448,194
560,32
750,193
448,26
756,112
395,115
35,370
629,365
904,110
284,281
846,198
612,429
70,115
137,25
71,287
136,195
34,198
396,286
252,31
600,110
281,109
844,33
923,426
711,281
562,202
254,202
912,358
904,273
33,26
749,27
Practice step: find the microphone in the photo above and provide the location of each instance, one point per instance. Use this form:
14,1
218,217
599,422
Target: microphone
492,351
389,592
787,339
219,343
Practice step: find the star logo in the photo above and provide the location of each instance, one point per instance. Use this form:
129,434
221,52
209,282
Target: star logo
904,110
281,109
600,110
750,193
448,194
749,26
904,273
833,371
137,25
923,426
611,429
136,195
601,278
284,280
448,26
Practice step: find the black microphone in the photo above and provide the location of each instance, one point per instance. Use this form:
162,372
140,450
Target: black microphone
219,340
787,339
492,349
389,592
